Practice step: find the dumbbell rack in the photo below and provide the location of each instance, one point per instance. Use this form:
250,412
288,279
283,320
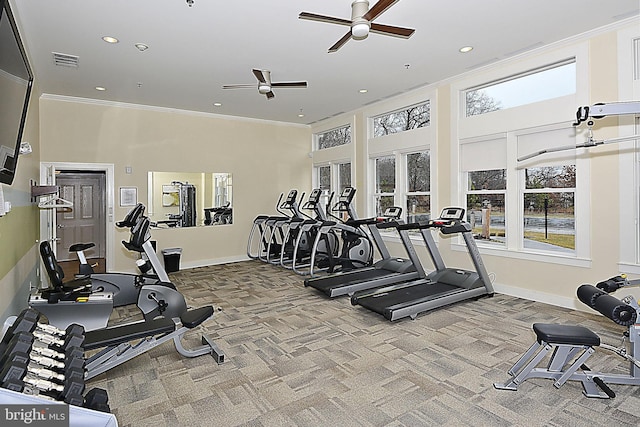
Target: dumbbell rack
46,363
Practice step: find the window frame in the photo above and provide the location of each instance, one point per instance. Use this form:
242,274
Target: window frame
556,113
398,110
401,191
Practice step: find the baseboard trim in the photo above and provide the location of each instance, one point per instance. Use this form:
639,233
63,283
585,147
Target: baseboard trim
544,297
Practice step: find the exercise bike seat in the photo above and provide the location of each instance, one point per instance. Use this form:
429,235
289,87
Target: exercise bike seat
79,247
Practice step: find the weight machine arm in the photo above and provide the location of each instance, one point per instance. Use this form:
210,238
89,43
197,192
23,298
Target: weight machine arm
596,111
600,110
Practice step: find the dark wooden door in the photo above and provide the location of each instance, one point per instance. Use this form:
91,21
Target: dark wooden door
85,221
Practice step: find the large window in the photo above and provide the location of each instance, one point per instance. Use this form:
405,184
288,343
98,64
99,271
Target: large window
332,178
404,180
333,138
413,117
536,85
522,204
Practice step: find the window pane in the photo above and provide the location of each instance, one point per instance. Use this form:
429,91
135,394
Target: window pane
334,137
386,175
485,213
418,172
537,85
418,208
549,221
324,178
551,177
344,176
488,180
382,203
413,117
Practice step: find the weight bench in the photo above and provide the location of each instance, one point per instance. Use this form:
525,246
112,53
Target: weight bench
117,346
571,346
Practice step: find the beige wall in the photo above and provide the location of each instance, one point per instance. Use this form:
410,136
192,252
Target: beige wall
265,158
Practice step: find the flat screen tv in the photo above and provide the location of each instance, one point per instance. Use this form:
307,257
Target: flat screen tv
15,88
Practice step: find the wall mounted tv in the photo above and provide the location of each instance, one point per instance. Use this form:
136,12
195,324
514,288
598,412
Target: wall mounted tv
15,88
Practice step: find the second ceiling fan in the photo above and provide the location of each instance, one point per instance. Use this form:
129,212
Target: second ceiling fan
265,84
361,22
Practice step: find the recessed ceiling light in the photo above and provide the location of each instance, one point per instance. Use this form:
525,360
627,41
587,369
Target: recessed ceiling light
363,91
300,115
465,49
141,47
101,88
110,39
217,104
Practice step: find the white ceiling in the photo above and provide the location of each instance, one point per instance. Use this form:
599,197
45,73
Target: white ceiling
193,51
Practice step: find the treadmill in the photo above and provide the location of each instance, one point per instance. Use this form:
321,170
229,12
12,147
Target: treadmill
442,287
386,271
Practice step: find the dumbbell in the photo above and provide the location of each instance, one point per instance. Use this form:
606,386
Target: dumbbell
27,321
97,399
71,340
23,343
18,374
20,359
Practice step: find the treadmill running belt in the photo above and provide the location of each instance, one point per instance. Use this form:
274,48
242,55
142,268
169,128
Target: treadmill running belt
406,296
327,286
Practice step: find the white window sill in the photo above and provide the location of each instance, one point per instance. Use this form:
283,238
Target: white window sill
547,257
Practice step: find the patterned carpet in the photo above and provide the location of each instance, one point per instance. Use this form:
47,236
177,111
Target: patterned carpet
297,358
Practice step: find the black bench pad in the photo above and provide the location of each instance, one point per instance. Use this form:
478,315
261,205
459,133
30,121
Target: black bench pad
125,333
565,334
192,318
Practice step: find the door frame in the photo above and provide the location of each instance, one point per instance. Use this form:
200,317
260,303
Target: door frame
48,218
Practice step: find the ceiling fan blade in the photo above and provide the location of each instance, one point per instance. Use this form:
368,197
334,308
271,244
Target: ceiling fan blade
251,86
340,42
378,9
259,76
323,18
270,95
390,30
289,84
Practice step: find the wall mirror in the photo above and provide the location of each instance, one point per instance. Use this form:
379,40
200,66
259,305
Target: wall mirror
189,199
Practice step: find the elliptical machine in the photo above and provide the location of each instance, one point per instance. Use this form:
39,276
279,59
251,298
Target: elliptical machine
267,233
328,245
356,248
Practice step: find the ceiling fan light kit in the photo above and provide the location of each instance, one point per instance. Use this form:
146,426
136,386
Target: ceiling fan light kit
360,31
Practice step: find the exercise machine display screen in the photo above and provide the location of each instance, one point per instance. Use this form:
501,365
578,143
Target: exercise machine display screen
291,197
347,194
393,212
452,214
314,197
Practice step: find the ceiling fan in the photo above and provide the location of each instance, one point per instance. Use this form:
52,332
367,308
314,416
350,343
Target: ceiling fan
361,22
265,84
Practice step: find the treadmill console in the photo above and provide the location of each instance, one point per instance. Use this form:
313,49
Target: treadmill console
393,212
452,214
